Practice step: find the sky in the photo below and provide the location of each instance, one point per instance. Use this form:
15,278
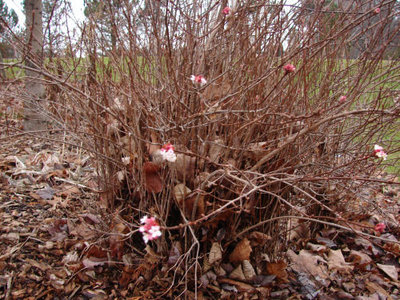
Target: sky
77,8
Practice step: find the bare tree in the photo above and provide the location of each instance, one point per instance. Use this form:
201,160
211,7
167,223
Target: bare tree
33,119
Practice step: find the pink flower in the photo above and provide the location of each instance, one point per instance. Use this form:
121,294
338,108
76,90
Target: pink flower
150,229
167,152
377,10
289,68
168,146
226,10
198,79
379,152
380,227
342,99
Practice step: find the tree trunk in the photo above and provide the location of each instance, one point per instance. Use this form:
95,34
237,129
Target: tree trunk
33,103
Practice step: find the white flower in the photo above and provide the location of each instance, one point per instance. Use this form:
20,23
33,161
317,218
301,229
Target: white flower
126,160
168,155
143,220
150,229
198,79
379,152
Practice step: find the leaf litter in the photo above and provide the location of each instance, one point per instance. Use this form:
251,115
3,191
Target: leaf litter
57,242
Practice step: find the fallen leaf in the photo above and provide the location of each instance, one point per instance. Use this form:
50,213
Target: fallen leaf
174,254
97,252
241,286
263,280
69,190
336,262
375,288
180,193
84,230
359,258
92,262
195,201
248,270
40,265
215,253
216,150
207,277
316,247
308,262
185,167
237,273
241,252
46,193
389,270
258,238
91,219
117,240
152,178
278,269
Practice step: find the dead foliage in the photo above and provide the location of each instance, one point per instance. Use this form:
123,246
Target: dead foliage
277,186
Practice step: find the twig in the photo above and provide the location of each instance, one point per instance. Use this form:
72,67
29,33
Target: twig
9,286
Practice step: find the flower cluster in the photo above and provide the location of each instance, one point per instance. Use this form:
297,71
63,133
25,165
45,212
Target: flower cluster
380,227
167,152
377,10
198,79
378,150
289,68
342,99
150,229
226,10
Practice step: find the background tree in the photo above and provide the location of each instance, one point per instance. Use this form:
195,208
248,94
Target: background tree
55,23
8,19
105,15
33,117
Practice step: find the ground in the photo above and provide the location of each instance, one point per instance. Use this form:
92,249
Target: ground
56,241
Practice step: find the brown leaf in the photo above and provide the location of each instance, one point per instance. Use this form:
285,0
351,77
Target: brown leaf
256,151
184,166
96,251
84,230
248,270
278,269
126,276
46,193
308,262
188,201
117,240
258,238
392,247
92,262
70,190
40,265
174,253
223,216
316,247
241,252
151,147
152,178
375,288
389,270
241,286
196,201
359,258
215,253
216,150
238,273
180,193
91,218
336,262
